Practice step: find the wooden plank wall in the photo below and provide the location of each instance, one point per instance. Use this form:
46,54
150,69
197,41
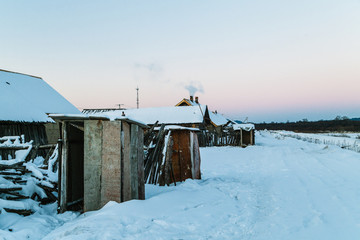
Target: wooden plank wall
181,155
111,163
93,136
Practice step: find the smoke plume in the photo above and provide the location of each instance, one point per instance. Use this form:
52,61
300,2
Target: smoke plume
194,87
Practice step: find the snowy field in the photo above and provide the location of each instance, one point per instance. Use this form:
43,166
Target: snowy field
282,188
350,141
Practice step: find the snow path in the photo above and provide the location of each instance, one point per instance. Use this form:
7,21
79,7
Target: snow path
278,189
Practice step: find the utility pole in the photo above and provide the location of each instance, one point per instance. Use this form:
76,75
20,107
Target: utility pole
119,105
137,97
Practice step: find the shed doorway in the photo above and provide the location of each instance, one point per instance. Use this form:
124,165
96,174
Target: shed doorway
73,147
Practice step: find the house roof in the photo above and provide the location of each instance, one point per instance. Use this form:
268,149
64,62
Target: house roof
244,126
82,117
177,127
165,115
215,118
218,119
187,102
25,98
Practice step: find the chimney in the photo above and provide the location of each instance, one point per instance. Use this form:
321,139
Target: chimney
197,100
191,98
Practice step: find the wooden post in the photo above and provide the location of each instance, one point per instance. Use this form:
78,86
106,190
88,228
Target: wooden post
92,164
134,174
251,137
126,170
59,164
63,163
168,161
241,137
140,148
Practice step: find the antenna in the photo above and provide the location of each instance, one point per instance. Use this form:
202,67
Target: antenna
137,97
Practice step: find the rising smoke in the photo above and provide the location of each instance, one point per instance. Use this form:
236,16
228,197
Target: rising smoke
194,87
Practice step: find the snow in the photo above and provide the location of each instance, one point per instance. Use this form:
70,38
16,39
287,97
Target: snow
24,204
166,115
243,126
26,98
281,188
53,175
28,187
177,127
34,226
15,141
166,142
218,119
350,141
35,171
100,115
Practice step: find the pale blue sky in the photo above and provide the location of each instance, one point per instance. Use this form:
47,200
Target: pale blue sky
266,60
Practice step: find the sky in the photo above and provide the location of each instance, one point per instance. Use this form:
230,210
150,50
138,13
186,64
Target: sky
262,60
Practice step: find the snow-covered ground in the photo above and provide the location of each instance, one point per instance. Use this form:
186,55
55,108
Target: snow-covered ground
282,188
350,141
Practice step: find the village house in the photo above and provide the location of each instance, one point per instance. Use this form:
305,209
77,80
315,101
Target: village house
213,120
26,102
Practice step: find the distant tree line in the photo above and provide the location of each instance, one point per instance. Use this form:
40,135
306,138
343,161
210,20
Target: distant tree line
339,124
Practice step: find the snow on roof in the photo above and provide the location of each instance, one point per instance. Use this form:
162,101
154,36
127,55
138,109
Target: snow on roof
25,98
99,116
177,127
244,126
218,119
166,115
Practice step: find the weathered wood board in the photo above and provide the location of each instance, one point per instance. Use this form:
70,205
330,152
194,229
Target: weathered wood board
111,163
93,137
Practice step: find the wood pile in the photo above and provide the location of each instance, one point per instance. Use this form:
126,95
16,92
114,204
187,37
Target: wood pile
157,159
26,181
172,155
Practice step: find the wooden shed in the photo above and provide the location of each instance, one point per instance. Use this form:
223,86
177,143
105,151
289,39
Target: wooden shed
179,157
246,131
101,161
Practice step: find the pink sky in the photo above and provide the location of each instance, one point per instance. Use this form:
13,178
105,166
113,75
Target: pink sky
266,60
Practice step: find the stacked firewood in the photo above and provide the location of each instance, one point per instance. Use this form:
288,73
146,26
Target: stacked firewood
158,165
26,182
